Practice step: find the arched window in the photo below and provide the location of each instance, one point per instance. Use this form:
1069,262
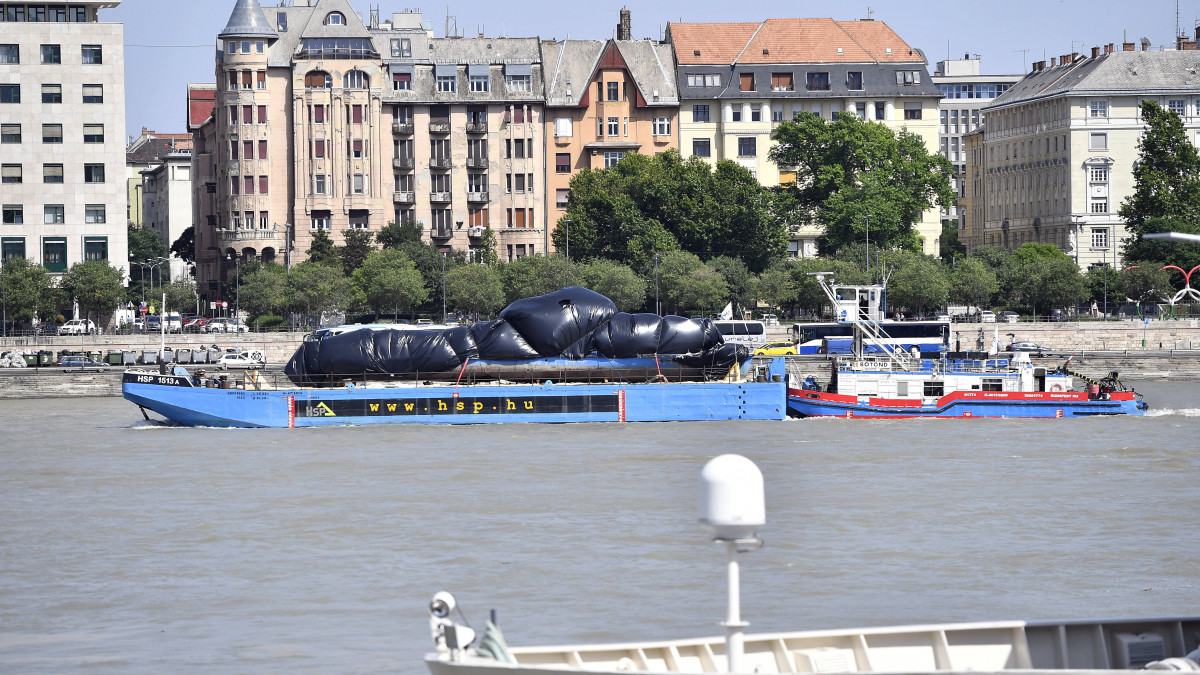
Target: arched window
318,79
357,79
335,19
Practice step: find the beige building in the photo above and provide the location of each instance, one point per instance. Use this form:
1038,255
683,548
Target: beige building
167,202
604,98
738,81
62,130
1060,147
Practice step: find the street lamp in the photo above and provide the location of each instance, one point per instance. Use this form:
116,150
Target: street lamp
4,288
237,298
567,228
443,287
1076,218
657,309
868,251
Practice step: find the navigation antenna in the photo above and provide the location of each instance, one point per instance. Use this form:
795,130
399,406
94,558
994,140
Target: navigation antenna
451,24
374,17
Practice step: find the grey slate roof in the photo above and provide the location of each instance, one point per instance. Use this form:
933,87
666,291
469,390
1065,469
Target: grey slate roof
352,28
569,66
879,80
247,20
1139,73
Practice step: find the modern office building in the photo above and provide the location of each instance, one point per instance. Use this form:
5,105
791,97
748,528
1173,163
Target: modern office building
965,92
738,81
62,134
1060,146
605,98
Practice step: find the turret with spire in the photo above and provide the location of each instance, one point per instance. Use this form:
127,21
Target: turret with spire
247,20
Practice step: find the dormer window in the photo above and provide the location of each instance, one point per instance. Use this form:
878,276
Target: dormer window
335,19
281,21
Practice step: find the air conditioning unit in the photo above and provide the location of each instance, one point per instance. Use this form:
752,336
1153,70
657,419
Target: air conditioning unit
475,231
1134,650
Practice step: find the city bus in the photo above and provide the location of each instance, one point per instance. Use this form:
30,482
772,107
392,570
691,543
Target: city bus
752,333
926,337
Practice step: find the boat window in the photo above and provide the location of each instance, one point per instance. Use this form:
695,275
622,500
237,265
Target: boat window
901,389
993,384
933,389
754,329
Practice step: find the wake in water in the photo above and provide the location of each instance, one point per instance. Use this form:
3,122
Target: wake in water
154,424
1182,412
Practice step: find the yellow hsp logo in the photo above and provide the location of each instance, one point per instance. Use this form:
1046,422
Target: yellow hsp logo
326,411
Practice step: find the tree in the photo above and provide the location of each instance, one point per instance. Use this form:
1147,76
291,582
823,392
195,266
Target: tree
774,286
484,252
1166,179
1148,283
1103,282
1181,254
185,246
849,169
918,283
181,295
972,283
29,290
1045,277
97,286
319,290
264,290
737,277
537,275
143,245
687,284
355,250
950,247
395,235
1000,262
389,280
475,288
616,282
322,250
654,204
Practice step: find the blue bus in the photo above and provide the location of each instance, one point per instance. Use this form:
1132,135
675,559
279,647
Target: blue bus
926,337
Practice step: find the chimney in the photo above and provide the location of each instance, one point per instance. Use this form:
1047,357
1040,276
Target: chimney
1126,46
1095,52
625,28
1145,45
1053,61
1074,55
1108,48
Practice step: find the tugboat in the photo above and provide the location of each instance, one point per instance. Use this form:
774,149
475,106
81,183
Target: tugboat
891,383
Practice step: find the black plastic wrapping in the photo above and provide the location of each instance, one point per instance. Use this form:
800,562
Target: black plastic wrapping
571,323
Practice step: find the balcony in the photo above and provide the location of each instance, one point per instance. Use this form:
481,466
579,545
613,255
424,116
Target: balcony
402,128
475,232
480,197
404,197
477,127
439,127
403,163
442,163
477,163
441,232
440,197
231,237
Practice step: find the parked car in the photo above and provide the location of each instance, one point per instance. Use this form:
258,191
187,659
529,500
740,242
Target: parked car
196,325
1009,317
47,328
775,349
227,326
1058,315
244,361
153,323
1026,347
174,323
78,362
941,316
770,320
78,327
987,316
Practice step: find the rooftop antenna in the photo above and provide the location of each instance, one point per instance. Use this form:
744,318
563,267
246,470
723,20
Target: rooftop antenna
451,24
869,13
732,507
374,17
1024,53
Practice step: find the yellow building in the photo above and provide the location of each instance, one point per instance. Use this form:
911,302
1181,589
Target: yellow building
738,81
604,98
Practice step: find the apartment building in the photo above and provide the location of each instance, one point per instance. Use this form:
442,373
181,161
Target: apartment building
605,98
738,81
965,92
62,130
167,202
1060,146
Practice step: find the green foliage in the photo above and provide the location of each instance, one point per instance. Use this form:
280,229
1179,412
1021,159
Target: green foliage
1033,252
29,289
537,275
1148,283
389,280
1101,280
1166,180
268,321
181,295
144,245
848,169
1042,283
316,290
355,250
263,290
616,282
97,286
688,285
999,261
654,204
322,250
475,288
397,236
972,283
918,282
1181,254
484,253
742,292
185,246
774,286
949,246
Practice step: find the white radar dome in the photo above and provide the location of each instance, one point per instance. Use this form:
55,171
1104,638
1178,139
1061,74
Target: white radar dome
731,497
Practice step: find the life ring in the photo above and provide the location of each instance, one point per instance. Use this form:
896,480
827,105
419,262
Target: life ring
1056,387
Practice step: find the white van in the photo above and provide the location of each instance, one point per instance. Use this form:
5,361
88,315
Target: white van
173,322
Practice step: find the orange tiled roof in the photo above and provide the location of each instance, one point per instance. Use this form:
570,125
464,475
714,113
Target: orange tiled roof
789,41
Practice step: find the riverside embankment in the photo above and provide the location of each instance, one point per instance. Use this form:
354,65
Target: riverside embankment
1168,350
